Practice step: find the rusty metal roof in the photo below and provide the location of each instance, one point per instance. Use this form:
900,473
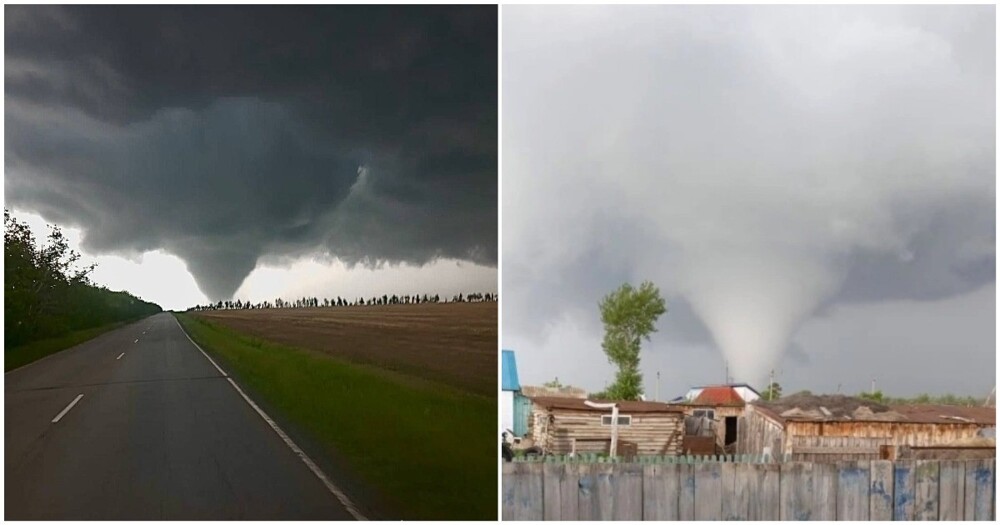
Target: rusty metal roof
846,408
567,403
719,395
947,414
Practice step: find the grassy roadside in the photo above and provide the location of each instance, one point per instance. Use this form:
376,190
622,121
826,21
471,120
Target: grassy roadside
19,356
428,448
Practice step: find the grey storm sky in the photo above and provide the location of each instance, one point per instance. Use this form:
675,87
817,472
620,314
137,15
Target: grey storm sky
812,189
238,137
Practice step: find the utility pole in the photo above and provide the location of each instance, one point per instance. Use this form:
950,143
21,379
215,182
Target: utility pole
770,387
873,387
726,382
657,397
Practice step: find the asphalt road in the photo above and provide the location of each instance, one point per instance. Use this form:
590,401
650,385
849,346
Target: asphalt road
159,433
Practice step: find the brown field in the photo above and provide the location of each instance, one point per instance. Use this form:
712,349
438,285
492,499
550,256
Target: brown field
453,343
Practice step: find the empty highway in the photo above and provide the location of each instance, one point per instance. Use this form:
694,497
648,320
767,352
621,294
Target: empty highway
139,424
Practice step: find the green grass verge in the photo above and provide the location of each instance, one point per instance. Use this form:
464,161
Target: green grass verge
19,356
428,448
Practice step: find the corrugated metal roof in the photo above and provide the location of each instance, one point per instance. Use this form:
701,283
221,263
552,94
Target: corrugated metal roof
719,395
509,379
839,408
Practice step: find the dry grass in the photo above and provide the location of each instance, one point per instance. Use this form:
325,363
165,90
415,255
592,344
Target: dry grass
454,343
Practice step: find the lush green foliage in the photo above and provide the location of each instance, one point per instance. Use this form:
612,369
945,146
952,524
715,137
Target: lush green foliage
924,399
772,392
629,316
876,396
431,449
46,293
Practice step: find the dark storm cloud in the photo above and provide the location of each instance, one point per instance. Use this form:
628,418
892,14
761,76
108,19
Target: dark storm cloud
224,134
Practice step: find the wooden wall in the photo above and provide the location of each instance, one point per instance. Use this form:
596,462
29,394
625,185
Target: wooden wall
856,491
654,433
755,432
840,440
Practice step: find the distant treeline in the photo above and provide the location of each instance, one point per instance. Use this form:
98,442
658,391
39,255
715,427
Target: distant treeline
47,295
315,302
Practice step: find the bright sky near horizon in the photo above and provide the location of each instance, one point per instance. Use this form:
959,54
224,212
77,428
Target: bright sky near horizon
164,279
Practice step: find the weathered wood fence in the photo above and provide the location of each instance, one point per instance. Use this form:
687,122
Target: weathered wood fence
856,490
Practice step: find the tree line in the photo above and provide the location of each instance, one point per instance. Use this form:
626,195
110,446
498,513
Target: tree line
315,302
46,292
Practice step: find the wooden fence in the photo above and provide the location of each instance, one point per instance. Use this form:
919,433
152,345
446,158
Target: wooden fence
855,490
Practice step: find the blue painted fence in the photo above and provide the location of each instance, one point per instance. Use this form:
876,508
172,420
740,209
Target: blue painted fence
661,489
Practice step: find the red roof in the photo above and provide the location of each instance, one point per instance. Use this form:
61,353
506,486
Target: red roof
718,395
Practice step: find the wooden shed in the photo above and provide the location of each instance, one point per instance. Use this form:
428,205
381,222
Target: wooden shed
865,430
560,425
724,405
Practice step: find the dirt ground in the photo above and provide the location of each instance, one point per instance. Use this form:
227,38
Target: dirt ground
453,343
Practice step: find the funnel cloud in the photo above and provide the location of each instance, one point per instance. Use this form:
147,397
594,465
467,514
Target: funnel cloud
767,167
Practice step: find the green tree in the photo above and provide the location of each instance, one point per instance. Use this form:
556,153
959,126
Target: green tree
629,316
47,293
876,396
772,392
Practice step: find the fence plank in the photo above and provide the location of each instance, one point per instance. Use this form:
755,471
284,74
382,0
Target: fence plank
926,489
685,504
903,491
724,490
880,507
853,486
522,499
585,497
979,481
560,482
708,491
661,489
600,498
734,492
626,495
825,491
797,500
766,480
746,477
951,490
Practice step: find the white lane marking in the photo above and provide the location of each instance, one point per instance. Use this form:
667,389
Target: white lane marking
67,409
339,494
119,357
221,371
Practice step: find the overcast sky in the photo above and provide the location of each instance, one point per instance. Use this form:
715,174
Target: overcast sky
317,150
812,189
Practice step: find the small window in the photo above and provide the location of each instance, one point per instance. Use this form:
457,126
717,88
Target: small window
710,414
623,421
